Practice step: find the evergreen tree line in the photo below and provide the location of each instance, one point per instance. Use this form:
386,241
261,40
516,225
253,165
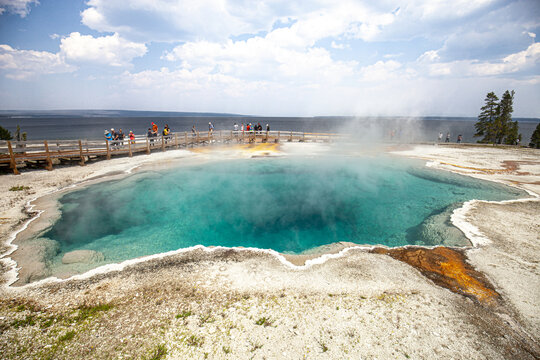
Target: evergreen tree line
495,123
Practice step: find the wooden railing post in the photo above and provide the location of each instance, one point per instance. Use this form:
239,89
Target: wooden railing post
108,150
81,153
176,140
147,146
49,161
278,135
129,148
198,138
162,143
185,138
290,139
12,162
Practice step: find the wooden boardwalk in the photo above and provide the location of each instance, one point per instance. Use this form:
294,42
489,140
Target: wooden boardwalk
40,153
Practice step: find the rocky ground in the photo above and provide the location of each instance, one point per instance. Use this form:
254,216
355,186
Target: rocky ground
480,303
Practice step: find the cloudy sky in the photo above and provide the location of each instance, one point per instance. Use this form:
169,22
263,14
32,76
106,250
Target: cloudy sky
270,57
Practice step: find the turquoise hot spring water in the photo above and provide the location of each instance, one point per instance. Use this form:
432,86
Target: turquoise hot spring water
288,204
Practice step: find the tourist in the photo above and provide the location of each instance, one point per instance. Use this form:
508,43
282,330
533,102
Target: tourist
107,135
242,128
447,137
132,137
459,138
166,133
267,128
193,131
259,128
120,136
114,138
440,136
210,127
150,135
154,129
235,127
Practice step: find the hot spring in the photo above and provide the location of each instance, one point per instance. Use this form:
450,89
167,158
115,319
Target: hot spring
288,204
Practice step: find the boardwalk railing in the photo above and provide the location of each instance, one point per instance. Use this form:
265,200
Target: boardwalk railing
42,152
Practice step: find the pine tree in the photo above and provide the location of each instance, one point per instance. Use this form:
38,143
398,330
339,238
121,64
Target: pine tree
486,120
503,123
495,120
535,138
5,134
512,134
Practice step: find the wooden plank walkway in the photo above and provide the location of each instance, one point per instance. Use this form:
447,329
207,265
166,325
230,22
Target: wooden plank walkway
42,152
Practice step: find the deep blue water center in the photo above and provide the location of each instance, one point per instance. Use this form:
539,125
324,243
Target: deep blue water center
286,204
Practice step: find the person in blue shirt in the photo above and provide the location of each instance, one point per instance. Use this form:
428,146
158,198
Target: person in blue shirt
107,135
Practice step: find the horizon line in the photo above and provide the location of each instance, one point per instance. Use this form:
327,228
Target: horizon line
224,114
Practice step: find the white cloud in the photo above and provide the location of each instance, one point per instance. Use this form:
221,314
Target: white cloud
341,46
381,71
19,7
523,59
187,82
27,64
107,50
178,20
289,53
520,61
443,9
264,59
429,56
217,20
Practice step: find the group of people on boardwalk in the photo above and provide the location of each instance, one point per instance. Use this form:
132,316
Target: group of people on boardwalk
447,139
153,132
116,138
250,128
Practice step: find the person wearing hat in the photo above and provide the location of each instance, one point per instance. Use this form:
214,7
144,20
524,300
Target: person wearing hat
107,135
114,138
132,137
